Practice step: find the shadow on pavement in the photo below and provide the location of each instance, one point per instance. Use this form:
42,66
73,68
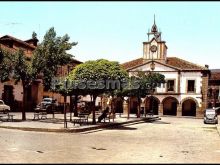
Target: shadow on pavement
157,122
121,127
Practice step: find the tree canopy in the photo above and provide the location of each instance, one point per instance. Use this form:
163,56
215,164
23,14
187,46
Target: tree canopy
49,54
97,77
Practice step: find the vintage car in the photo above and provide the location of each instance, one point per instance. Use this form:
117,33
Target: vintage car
210,116
3,107
47,104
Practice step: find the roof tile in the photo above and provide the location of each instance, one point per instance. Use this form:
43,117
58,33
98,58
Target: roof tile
172,61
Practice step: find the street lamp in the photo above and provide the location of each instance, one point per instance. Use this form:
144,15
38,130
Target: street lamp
65,95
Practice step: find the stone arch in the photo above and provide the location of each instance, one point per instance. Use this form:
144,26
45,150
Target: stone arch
190,98
189,106
170,105
152,103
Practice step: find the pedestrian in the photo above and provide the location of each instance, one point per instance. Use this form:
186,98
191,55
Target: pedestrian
103,115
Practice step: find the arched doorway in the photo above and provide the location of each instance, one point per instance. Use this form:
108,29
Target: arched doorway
133,105
118,105
170,106
189,108
151,103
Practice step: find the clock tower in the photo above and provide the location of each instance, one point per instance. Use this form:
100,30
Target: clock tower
154,48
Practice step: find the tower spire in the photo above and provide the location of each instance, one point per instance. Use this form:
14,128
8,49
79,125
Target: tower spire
154,27
154,19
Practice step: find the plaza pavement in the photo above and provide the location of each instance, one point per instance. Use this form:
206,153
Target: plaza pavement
56,124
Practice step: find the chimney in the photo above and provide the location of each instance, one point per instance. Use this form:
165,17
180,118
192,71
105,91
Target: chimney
32,41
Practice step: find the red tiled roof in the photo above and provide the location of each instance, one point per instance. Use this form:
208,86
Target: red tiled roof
215,75
183,64
171,61
8,37
132,63
73,60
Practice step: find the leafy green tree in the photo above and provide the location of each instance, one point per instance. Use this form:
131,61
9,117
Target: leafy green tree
50,54
46,58
15,65
5,64
34,35
98,77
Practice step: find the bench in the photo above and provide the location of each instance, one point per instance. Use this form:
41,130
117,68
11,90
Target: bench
40,115
81,119
9,117
108,117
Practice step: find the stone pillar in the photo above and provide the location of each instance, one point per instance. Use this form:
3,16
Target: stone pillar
125,107
160,109
179,110
204,95
142,108
199,112
204,92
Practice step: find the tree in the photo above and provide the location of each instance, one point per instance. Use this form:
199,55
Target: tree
97,77
142,85
15,65
46,58
34,35
50,54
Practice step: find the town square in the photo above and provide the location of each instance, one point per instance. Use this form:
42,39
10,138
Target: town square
109,82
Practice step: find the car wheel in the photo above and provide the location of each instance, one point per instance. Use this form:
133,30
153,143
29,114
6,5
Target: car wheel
204,122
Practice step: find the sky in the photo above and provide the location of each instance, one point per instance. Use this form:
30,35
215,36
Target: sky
116,30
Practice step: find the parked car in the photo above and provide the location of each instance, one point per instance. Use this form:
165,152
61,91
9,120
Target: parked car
47,104
3,107
210,116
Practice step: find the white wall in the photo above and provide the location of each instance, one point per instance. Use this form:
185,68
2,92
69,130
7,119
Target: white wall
185,76
171,73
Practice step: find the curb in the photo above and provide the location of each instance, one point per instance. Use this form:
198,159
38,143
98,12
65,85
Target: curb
63,130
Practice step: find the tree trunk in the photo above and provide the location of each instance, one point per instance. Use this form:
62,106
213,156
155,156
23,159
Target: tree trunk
93,109
24,102
139,108
65,122
71,107
75,105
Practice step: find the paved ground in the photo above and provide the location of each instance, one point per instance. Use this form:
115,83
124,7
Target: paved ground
170,140
56,124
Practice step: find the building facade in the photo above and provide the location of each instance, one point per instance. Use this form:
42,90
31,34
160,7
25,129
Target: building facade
214,88
13,94
186,87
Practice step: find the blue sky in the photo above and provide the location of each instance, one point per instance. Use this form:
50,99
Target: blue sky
117,30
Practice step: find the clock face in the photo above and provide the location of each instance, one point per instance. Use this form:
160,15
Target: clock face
153,48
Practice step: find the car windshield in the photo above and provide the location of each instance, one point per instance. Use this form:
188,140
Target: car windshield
210,111
47,100
1,102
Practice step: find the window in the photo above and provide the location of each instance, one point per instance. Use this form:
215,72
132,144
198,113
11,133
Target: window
170,86
191,86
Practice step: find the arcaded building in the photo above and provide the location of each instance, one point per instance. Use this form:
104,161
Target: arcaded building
186,87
